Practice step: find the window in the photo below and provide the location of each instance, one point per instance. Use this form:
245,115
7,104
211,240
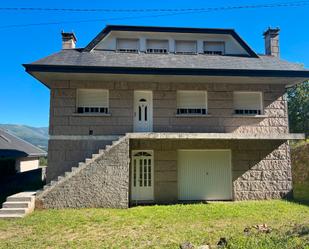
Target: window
185,47
92,101
127,45
248,103
214,48
157,46
192,103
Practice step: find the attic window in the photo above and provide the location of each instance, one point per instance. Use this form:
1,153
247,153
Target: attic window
92,101
185,47
214,48
248,103
157,46
127,45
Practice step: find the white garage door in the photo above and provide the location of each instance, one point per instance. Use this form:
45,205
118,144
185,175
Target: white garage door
204,175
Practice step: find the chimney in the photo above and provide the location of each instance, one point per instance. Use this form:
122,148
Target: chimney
271,36
68,40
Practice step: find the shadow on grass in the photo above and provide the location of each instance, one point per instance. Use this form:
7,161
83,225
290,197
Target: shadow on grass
300,201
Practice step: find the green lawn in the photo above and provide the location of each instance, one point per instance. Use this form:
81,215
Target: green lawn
162,226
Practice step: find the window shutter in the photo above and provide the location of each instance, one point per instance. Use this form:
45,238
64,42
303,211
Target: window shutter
191,99
185,46
157,44
127,44
247,101
92,98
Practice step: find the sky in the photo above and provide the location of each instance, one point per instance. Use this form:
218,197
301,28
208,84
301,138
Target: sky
24,100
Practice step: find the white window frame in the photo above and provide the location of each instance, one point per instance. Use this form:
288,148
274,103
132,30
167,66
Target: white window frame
261,105
193,41
213,52
105,110
123,50
198,111
157,50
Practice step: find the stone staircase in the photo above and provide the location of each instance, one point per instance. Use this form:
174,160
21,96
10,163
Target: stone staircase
64,179
18,205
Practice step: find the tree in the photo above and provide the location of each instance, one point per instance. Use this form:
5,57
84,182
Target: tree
298,105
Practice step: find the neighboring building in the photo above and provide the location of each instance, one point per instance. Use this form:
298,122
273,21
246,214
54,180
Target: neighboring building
17,155
186,114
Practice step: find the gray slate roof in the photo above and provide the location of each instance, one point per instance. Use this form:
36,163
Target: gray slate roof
98,58
12,146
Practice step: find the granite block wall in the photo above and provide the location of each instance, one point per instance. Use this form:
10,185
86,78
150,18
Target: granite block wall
65,154
64,120
103,182
260,169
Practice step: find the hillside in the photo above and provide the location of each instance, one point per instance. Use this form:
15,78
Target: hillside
300,170
37,136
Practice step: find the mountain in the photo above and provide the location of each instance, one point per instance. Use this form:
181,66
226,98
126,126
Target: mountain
37,136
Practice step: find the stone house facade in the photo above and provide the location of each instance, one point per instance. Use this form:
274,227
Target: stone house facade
165,115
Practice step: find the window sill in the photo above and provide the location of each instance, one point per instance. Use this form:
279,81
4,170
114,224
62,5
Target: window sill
193,116
249,116
91,114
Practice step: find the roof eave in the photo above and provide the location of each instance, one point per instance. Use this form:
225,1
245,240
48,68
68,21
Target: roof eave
31,68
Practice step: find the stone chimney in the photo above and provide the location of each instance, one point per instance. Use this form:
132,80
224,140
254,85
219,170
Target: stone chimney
68,40
271,36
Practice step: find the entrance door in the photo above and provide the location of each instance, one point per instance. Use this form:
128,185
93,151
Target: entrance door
204,175
142,111
142,176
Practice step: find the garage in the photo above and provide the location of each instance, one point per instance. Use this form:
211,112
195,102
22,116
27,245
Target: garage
204,175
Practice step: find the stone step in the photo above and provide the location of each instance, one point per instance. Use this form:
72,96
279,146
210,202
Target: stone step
13,211
88,160
52,183
15,204
11,216
67,174
19,199
80,164
95,155
73,169
101,151
46,186
60,178
107,147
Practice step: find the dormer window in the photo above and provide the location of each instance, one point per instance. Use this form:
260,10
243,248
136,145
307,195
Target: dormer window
214,48
127,45
185,47
157,46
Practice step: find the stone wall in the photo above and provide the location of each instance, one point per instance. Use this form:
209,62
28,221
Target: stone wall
64,120
261,169
103,182
65,154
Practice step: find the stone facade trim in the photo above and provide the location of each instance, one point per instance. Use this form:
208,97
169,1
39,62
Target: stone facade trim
172,135
84,137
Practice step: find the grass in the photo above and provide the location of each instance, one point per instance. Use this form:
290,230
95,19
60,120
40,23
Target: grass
301,191
162,226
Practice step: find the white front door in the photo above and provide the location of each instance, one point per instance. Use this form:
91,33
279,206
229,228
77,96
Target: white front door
204,175
142,111
142,176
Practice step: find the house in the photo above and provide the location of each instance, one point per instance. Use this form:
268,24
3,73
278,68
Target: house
166,115
17,155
